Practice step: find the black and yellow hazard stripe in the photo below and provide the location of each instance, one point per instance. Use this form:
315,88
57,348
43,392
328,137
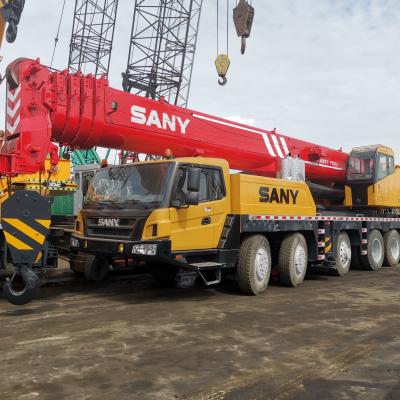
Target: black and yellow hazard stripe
328,244
29,234
25,220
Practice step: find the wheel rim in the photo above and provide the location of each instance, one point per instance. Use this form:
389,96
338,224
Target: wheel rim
395,248
344,253
300,261
262,264
376,250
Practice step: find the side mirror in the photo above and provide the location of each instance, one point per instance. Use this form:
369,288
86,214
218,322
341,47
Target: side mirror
193,183
192,198
85,186
176,204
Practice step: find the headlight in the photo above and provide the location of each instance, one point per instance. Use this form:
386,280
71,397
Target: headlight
145,249
74,242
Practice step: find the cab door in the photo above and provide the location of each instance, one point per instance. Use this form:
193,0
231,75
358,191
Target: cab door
198,227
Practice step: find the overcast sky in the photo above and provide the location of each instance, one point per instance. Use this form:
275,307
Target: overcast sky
327,71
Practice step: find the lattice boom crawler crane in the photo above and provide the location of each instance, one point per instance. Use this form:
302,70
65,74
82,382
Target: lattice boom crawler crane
189,216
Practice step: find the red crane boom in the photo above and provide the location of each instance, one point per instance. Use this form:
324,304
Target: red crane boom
83,111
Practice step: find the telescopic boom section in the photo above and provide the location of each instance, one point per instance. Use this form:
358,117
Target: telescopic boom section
83,111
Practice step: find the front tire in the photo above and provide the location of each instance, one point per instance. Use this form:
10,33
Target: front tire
254,265
342,261
96,268
293,260
373,261
391,241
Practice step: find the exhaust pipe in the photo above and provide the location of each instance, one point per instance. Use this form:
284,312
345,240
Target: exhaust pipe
28,293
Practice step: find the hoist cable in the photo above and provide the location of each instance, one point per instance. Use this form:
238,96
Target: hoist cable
217,27
227,27
58,33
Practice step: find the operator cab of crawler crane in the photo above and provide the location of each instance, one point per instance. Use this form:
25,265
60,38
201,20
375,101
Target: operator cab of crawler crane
372,178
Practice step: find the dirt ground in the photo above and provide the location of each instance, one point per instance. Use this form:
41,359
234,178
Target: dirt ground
126,338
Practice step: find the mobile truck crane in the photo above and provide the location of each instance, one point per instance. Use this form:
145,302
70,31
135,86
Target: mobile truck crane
189,217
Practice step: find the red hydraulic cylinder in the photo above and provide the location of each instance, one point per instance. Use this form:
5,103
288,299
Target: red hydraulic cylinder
83,111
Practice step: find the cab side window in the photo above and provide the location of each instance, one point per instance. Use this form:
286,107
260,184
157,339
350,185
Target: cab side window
211,185
204,187
382,166
217,188
391,165
385,166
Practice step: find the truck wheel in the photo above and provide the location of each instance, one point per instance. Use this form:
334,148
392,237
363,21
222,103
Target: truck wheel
254,265
162,273
342,261
293,259
75,266
96,268
76,271
391,241
375,252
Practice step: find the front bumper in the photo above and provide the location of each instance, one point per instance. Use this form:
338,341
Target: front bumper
159,250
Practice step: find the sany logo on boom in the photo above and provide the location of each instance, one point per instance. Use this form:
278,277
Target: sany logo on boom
139,115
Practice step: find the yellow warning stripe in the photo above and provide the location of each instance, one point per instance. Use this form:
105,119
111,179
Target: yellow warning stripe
14,242
26,229
328,248
328,244
44,222
39,257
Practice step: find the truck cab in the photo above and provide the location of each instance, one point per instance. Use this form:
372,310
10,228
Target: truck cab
154,210
373,179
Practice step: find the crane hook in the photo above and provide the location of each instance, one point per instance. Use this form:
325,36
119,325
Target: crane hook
222,80
28,293
243,45
222,65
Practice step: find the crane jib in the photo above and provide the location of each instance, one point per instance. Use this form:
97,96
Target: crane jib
82,111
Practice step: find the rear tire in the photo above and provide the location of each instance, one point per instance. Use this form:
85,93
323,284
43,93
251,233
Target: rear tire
391,241
342,261
293,260
373,261
254,265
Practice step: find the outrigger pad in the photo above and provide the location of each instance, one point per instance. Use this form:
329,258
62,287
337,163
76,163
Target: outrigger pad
26,218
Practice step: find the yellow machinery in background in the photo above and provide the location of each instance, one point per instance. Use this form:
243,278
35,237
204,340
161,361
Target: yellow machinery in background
58,183
19,230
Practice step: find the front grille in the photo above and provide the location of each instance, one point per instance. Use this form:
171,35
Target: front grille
125,230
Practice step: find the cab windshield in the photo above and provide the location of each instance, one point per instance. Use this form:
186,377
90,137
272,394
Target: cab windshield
143,184
361,166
